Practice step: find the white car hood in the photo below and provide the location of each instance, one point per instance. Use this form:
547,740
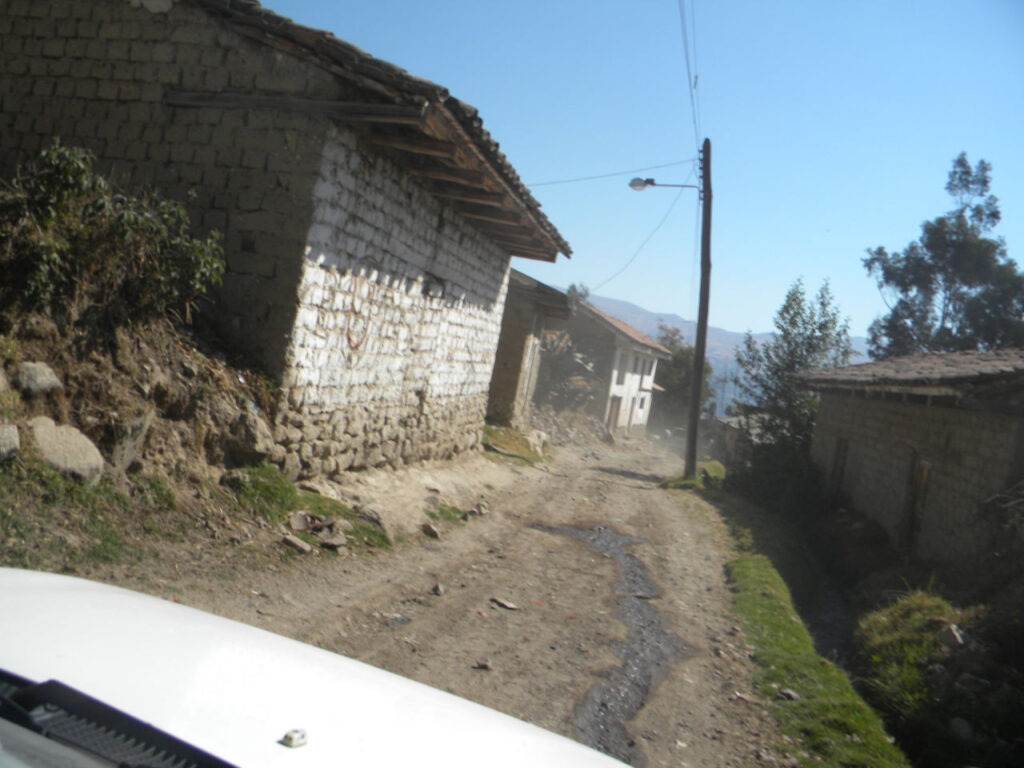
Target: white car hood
234,690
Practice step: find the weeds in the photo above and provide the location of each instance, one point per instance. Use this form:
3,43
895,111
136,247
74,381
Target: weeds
50,518
709,473
267,493
510,444
450,513
10,405
71,245
827,716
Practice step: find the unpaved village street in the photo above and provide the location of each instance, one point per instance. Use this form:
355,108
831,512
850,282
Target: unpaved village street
587,601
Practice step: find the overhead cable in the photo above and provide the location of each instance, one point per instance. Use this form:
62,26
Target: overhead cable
647,239
609,175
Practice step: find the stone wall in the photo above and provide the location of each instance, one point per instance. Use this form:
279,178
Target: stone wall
515,365
400,306
97,74
920,470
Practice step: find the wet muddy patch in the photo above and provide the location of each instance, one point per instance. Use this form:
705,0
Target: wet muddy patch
647,654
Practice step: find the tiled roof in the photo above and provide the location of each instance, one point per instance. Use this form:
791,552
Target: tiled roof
628,331
950,369
390,84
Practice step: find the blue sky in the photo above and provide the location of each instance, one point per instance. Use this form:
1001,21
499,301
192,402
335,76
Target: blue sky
833,126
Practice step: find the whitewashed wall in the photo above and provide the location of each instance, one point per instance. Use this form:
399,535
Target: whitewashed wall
400,305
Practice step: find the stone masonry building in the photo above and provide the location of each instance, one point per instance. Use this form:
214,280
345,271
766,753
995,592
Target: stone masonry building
369,219
919,443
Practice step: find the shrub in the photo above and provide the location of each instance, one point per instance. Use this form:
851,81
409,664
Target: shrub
73,246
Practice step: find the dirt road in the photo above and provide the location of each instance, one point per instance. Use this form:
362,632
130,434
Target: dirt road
587,601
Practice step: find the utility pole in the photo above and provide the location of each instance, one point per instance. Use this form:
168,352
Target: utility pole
697,379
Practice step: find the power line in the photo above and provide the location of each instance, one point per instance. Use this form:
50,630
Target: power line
609,175
690,83
647,239
696,69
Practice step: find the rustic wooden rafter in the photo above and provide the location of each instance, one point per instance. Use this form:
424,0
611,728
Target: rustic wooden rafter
347,111
419,145
442,173
521,244
451,192
487,213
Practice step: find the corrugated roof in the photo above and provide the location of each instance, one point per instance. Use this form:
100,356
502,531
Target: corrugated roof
950,369
529,233
628,331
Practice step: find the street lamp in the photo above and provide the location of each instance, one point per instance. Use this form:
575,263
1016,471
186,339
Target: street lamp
697,377
639,185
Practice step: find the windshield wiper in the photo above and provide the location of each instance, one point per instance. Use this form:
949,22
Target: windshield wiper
61,713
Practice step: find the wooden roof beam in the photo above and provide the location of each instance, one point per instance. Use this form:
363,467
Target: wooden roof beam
521,244
347,111
487,213
418,145
458,175
450,192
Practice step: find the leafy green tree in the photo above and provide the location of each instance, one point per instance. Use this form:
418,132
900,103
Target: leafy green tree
954,288
808,334
675,376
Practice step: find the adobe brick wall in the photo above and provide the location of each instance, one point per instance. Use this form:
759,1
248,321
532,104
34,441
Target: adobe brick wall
376,307
400,307
508,398
971,454
95,74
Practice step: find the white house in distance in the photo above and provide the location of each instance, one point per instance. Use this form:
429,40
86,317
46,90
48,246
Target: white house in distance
623,357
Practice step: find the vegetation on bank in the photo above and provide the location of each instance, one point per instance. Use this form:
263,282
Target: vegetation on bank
266,492
936,653
709,474
89,256
812,699
511,444
52,522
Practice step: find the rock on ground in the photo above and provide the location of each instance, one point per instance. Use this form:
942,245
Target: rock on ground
67,449
10,443
36,379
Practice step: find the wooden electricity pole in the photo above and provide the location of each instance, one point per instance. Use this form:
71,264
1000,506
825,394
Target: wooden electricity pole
697,379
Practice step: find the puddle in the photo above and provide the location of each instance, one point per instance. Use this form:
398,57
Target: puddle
647,654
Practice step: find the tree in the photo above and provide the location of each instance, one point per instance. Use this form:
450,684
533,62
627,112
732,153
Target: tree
808,334
954,288
577,294
675,376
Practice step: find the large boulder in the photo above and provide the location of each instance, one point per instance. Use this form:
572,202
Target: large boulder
67,449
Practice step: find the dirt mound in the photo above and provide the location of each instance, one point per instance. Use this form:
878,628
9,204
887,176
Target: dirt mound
150,397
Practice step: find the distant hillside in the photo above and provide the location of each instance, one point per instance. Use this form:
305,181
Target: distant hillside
721,344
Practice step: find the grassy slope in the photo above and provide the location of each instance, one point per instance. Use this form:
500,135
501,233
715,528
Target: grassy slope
826,714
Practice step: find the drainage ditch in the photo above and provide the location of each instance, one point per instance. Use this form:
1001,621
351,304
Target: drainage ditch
647,654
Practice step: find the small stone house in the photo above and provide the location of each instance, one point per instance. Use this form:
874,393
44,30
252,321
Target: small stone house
369,218
625,361
919,443
530,306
